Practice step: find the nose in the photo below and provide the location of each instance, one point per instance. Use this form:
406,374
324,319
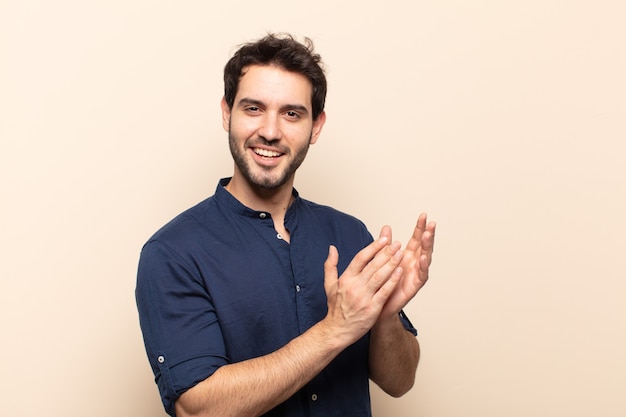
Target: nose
270,127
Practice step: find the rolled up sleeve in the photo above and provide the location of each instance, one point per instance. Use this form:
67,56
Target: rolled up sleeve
181,332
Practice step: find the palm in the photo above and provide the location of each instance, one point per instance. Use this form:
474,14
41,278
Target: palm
415,263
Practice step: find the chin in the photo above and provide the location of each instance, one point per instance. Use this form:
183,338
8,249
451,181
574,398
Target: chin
270,184
267,182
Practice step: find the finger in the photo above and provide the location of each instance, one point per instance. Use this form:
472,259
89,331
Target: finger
330,269
424,265
431,229
365,255
386,290
425,258
416,239
428,240
385,231
379,271
381,258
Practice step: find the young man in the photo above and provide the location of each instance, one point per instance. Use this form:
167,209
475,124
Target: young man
258,302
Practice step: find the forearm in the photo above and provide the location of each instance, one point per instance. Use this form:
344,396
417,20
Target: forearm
255,386
393,357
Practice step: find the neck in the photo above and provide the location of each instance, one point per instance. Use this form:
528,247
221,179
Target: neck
275,201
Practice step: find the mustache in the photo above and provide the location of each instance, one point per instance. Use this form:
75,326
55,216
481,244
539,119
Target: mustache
261,141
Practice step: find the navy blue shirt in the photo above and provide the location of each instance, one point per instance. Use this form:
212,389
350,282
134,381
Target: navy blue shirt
218,285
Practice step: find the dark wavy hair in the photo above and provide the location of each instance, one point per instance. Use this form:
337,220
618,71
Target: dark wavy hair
284,51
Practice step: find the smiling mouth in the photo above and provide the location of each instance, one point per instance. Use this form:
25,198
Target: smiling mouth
266,153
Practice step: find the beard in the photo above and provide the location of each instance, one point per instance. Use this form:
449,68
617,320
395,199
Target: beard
268,178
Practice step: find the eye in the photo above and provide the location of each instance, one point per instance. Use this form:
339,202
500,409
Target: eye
252,109
291,114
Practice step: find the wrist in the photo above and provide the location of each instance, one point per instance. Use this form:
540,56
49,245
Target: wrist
387,324
330,336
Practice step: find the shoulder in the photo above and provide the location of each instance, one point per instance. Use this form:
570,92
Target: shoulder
336,220
187,224
172,250
331,214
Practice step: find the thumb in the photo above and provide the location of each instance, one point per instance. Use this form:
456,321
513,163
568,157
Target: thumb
330,268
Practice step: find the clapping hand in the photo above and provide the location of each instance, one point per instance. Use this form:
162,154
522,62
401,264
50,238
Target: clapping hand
415,264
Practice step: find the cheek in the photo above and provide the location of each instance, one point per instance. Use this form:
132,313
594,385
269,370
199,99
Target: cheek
245,125
298,133
240,131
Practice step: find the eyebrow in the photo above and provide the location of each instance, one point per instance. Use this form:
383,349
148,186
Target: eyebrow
250,101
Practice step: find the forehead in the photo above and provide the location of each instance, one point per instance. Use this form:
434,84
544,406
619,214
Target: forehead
274,85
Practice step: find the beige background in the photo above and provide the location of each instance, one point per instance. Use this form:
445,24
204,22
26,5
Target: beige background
506,121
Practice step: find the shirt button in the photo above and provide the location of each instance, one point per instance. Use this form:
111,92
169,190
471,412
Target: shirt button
297,288
314,397
161,359
279,236
263,215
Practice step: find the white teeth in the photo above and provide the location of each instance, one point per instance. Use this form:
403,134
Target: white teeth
265,152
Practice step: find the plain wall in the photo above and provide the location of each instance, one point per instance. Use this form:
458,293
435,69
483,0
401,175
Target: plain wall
505,121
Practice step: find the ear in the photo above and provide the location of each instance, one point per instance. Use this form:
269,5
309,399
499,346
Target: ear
318,124
225,114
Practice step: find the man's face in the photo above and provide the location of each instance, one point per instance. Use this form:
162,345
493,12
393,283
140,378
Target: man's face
270,126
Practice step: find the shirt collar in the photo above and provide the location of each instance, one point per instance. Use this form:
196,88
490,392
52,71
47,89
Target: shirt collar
226,199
